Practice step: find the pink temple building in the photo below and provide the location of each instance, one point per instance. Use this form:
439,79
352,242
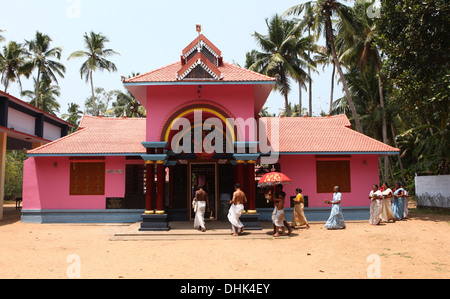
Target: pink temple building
131,170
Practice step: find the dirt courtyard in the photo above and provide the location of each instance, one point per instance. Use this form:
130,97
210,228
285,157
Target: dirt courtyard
415,248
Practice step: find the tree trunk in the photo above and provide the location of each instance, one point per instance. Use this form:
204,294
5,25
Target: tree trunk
341,74
332,88
93,95
383,111
309,75
399,156
37,87
299,99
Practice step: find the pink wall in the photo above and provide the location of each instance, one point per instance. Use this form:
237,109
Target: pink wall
238,99
301,169
47,179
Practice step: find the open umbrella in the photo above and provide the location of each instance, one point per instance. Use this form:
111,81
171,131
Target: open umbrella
274,178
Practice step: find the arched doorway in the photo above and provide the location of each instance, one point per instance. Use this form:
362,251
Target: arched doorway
200,146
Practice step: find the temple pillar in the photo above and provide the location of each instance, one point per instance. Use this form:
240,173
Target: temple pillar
240,172
251,187
155,159
161,177
149,185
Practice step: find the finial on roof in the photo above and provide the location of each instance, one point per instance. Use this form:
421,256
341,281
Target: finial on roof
198,27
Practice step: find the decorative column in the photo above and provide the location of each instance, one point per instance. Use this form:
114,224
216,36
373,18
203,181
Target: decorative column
149,185
161,177
251,218
155,158
251,187
240,172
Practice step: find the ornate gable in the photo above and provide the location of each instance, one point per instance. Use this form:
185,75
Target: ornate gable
200,60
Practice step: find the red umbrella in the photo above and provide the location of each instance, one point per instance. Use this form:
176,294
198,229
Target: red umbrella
274,178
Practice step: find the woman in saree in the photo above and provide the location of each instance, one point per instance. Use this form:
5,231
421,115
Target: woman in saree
336,220
387,214
375,205
299,218
398,206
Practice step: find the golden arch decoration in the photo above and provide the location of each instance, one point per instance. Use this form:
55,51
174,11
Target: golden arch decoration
208,110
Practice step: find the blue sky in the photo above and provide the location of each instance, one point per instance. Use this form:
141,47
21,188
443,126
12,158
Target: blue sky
148,35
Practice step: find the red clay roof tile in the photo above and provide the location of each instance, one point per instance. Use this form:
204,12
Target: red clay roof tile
297,135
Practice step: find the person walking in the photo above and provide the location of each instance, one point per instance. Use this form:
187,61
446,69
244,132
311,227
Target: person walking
299,218
201,204
236,209
387,214
398,206
376,206
336,219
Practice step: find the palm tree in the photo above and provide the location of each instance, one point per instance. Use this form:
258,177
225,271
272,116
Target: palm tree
73,115
323,11
127,105
96,55
356,41
304,47
47,96
324,58
279,57
2,38
12,61
41,54
307,24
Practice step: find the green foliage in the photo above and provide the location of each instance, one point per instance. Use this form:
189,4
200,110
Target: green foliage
14,173
414,40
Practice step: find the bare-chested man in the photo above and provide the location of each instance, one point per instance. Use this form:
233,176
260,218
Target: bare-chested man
201,203
278,218
236,209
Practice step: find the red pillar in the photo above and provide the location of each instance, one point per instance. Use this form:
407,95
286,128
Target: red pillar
171,173
240,173
149,185
251,196
161,176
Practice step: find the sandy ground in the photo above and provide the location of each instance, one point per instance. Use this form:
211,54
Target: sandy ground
415,248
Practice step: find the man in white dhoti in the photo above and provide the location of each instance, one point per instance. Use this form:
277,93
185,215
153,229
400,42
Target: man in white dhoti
236,209
278,218
200,205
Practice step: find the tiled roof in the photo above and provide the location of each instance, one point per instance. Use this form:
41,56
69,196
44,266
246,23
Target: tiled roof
330,134
100,135
230,72
297,135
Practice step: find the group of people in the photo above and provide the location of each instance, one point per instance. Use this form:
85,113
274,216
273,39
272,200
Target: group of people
201,205
387,205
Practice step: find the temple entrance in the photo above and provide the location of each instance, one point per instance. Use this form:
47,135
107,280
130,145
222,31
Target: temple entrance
204,174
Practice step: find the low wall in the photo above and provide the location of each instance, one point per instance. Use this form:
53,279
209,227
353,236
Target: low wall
433,191
133,216
81,216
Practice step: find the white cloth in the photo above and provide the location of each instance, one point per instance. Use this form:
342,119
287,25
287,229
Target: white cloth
234,214
278,217
199,208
